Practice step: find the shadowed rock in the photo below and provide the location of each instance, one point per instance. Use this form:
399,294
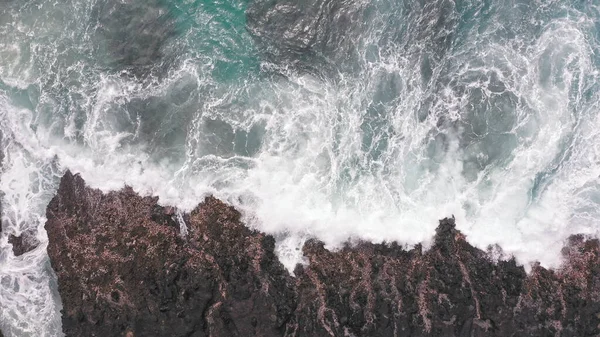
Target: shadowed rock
23,243
134,34
124,270
327,36
123,267
308,35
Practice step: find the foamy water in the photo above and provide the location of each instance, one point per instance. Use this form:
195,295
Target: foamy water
452,109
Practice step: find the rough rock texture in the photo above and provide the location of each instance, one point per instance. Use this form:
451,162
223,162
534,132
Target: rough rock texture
134,35
124,270
308,35
23,243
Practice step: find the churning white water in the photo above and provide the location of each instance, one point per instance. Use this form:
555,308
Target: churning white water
481,110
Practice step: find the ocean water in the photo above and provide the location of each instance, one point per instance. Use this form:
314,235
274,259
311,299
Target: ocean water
335,119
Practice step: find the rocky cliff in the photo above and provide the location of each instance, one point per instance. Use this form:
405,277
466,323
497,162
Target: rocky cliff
125,269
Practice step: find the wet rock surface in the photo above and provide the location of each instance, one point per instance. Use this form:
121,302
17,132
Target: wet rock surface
23,243
307,35
124,270
134,35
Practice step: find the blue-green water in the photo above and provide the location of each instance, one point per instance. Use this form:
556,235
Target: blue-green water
331,119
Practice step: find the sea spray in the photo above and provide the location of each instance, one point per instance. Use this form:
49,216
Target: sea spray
371,124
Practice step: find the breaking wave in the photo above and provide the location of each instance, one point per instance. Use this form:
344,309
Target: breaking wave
334,119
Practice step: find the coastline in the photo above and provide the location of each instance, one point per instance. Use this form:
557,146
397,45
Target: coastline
124,269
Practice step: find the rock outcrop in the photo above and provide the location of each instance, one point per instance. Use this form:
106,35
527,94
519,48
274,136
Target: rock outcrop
125,269
23,243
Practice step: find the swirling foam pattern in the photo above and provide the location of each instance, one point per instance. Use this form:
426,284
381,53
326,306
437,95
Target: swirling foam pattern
334,119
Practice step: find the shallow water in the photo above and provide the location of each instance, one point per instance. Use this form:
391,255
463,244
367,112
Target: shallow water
331,119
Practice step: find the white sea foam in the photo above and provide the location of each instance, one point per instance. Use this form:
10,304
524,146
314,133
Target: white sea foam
509,145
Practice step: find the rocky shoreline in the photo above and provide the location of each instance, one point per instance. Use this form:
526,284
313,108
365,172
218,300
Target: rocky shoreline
124,269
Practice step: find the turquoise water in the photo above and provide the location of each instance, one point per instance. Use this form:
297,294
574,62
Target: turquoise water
330,119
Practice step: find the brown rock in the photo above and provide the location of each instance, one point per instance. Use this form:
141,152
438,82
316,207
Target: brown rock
23,243
124,270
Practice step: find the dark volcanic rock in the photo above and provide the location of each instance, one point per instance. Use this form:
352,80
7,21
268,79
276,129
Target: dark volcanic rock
23,243
134,35
124,270
324,37
307,34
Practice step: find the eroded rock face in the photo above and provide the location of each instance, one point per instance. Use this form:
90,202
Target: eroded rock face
307,35
124,270
23,243
134,35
